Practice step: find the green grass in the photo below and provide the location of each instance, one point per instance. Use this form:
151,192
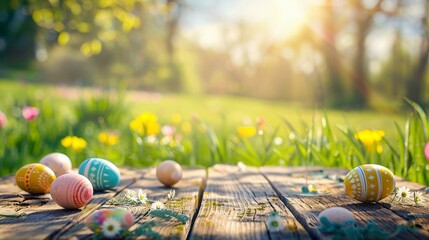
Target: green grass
292,135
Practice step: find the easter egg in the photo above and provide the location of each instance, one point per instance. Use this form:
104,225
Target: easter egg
102,173
335,215
71,191
96,219
338,215
58,162
35,178
369,183
169,172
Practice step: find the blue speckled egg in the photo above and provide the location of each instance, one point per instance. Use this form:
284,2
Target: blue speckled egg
101,173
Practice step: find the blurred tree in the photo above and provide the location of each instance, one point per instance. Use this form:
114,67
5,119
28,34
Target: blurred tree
173,16
87,23
335,87
363,21
17,33
395,70
415,84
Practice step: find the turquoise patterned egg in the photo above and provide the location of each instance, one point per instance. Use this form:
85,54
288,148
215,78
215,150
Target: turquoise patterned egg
101,173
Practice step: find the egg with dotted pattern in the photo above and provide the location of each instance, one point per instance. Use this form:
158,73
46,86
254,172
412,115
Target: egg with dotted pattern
35,178
369,183
71,191
58,162
102,173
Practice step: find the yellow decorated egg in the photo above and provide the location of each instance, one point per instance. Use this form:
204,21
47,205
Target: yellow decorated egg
369,183
35,178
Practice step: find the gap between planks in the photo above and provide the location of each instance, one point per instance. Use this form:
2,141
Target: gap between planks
306,209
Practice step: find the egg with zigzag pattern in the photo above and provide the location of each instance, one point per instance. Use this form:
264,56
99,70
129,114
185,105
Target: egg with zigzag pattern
101,173
369,183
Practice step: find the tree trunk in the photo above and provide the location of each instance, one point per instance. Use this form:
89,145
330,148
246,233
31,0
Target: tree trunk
360,93
172,25
335,88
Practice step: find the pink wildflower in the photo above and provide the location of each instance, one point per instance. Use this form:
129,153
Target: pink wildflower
30,113
3,120
427,151
168,130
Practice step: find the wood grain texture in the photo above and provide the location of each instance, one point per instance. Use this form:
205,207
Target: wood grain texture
236,204
418,214
44,218
331,193
185,202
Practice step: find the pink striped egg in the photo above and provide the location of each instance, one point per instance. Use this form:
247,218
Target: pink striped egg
71,191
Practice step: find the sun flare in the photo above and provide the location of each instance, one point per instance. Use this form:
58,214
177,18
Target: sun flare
282,19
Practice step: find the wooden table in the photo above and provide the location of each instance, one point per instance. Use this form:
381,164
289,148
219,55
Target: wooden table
224,202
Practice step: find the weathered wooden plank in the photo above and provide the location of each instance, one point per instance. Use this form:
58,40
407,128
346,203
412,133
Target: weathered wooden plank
307,208
418,214
185,202
236,204
45,219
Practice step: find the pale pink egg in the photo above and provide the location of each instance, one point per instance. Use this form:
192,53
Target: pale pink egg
58,162
169,172
71,191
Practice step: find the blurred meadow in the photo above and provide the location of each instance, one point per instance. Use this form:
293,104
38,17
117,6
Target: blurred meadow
337,83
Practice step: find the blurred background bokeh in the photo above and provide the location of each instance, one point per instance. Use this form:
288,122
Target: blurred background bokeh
320,53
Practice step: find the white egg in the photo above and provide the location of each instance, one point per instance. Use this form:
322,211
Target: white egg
338,215
169,172
58,162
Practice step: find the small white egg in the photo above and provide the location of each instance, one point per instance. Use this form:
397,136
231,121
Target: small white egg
338,215
169,172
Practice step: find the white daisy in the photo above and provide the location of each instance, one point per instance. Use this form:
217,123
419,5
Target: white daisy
131,195
157,205
241,166
275,222
172,194
110,228
418,198
142,197
403,193
278,141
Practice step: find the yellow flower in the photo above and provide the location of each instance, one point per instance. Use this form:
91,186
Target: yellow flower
66,142
186,127
108,138
371,139
152,128
246,131
73,142
145,123
147,117
176,119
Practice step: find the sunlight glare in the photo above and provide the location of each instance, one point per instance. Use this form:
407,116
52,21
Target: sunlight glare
282,19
